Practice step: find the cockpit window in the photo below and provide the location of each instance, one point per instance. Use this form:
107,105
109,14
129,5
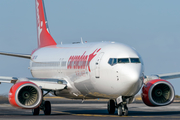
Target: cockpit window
123,60
135,60
112,61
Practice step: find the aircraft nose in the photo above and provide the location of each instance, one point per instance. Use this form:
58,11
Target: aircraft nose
130,78
131,74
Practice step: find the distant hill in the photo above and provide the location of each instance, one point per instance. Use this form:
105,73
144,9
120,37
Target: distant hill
3,99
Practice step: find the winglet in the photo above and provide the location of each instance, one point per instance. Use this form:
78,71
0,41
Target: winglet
43,36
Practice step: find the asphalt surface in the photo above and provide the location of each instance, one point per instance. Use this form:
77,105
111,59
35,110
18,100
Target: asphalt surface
75,109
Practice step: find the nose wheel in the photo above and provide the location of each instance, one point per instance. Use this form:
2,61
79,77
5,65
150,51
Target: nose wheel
122,108
125,111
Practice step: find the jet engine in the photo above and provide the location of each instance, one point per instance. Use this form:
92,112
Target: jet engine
158,93
25,95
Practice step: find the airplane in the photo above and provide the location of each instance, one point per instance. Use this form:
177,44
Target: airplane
106,70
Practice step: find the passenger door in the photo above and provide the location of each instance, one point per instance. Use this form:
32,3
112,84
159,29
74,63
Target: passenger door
97,70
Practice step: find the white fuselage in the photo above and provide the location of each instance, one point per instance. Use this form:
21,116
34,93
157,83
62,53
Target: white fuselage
87,69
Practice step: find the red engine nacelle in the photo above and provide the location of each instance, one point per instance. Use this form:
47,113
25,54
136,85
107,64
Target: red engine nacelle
158,93
25,95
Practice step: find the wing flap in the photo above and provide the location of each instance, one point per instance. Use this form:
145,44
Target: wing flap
50,86
44,84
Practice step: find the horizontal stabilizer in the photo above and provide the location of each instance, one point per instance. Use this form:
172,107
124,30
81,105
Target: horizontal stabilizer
16,55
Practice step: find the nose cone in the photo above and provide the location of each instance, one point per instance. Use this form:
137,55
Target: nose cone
131,77
132,74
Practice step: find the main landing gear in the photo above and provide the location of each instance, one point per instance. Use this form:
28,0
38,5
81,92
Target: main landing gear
122,108
45,106
111,107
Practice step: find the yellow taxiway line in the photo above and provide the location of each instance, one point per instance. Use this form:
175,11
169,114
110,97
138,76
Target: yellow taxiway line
94,115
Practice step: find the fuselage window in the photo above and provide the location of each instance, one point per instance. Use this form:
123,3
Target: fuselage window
135,60
45,64
63,64
123,60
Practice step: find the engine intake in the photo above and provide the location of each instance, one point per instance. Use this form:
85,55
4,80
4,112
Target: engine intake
158,93
25,95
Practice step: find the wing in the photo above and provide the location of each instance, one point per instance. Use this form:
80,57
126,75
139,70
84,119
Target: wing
167,76
44,84
16,55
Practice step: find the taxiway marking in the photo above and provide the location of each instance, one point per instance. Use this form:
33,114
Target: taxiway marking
93,115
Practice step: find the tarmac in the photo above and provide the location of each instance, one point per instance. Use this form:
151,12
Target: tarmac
91,109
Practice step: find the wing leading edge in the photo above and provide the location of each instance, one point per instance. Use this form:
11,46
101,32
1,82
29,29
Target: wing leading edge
167,76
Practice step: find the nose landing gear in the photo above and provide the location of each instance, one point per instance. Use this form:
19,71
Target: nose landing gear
122,110
120,104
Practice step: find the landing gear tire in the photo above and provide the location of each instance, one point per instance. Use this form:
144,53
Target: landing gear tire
36,111
111,106
47,108
125,112
120,111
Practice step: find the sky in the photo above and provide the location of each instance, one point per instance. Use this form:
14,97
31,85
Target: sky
151,27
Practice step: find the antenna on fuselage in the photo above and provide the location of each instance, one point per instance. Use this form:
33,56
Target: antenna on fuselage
82,40
79,42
